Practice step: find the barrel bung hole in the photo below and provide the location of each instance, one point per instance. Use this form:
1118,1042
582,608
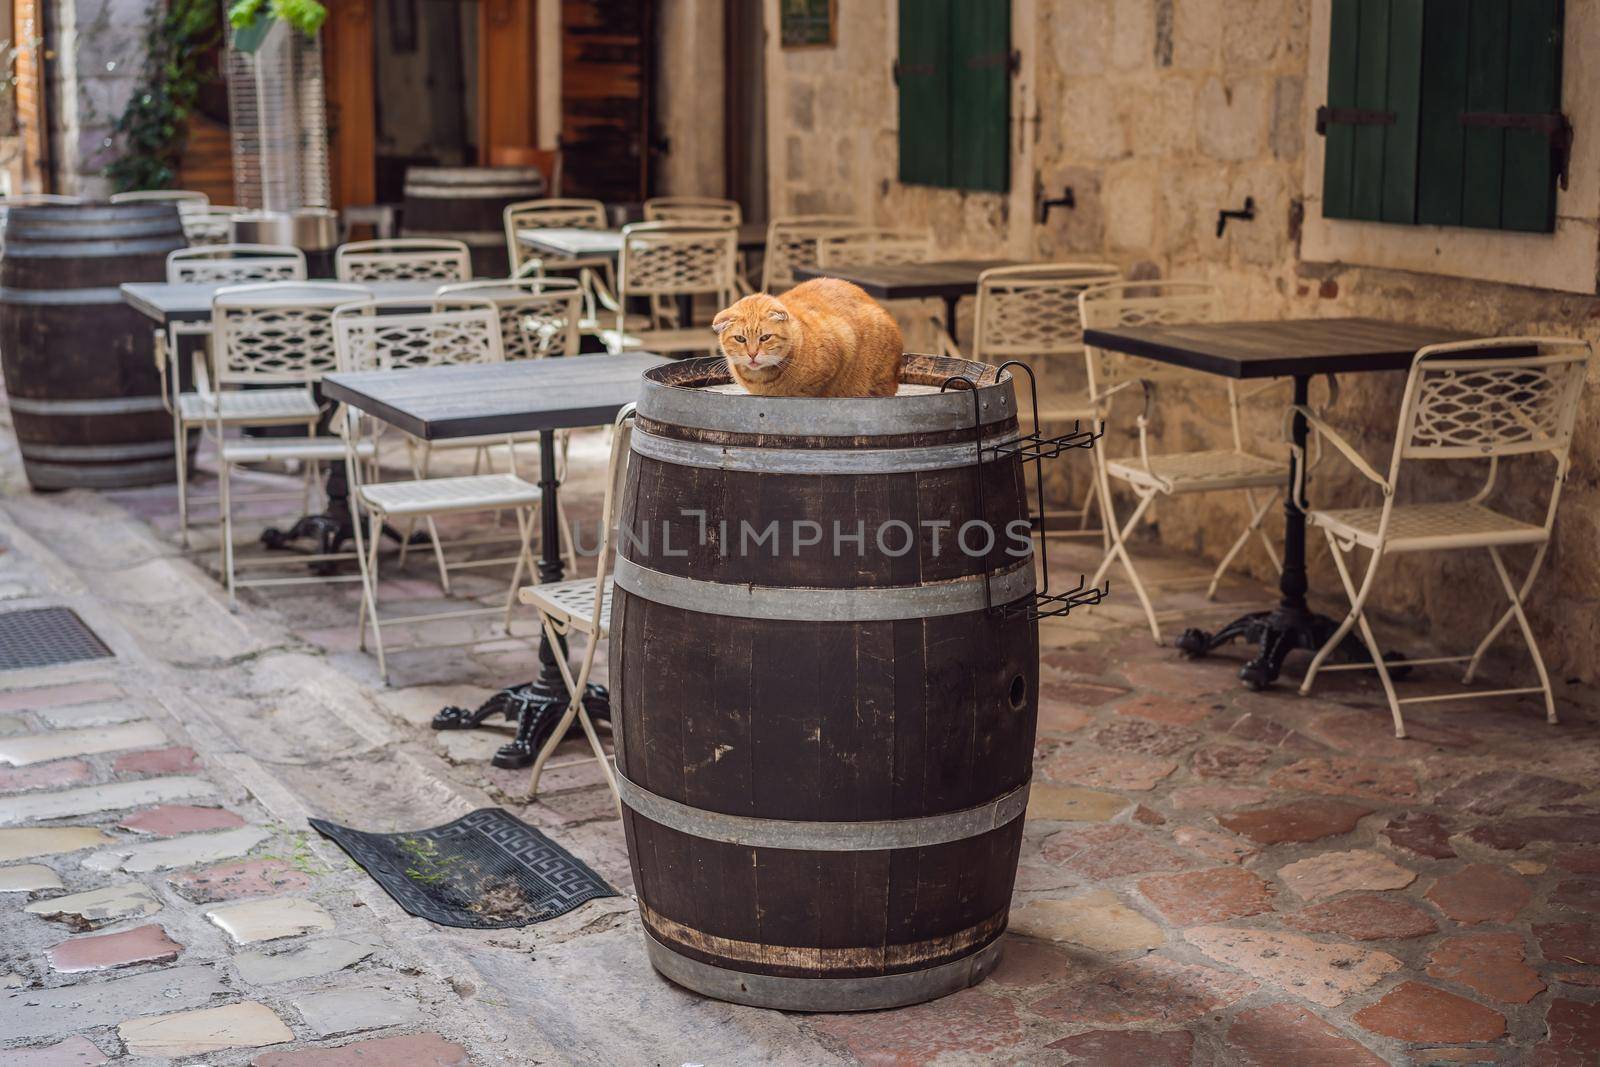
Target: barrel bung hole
1019,692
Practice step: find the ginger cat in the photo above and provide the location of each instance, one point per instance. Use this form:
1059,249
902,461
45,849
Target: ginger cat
822,338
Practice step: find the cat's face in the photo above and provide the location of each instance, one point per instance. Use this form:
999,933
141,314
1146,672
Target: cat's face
756,334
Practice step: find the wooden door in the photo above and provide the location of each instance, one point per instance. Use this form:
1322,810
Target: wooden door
32,117
606,74
507,77
347,62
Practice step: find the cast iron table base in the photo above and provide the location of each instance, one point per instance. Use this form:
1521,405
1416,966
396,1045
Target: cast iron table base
535,707
1275,633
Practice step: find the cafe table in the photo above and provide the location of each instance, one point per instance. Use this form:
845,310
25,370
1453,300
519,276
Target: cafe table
1299,349
169,302
543,395
947,279
576,243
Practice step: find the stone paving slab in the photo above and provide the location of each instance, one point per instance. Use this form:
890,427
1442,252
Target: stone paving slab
184,851
194,1033
38,748
36,1013
113,796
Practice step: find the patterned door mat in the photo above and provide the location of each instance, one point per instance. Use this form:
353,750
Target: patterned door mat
486,870
43,637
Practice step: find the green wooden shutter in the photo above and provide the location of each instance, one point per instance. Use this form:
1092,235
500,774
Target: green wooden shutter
1374,69
1533,87
923,72
980,94
1454,78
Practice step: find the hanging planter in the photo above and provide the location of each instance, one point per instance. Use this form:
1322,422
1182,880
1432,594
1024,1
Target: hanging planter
252,19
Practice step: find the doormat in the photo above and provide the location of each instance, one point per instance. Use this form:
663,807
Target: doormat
487,870
43,637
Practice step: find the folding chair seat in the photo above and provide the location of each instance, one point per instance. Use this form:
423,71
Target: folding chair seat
441,496
1492,401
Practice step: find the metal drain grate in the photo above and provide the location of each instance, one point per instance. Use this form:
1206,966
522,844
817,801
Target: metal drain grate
41,637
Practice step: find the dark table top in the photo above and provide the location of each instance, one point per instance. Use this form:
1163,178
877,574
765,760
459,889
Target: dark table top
1277,349
166,302
567,241
911,281
438,403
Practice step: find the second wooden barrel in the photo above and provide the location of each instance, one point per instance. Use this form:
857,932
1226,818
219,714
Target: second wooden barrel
467,204
79,365
824,681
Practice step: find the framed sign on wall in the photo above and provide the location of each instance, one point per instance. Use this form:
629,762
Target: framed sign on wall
807,23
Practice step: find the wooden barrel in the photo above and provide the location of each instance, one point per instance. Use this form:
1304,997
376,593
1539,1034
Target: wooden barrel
466,203
79,369
825,733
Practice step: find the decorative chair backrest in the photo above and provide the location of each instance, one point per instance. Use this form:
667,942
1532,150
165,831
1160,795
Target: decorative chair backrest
675,258
401,334
1033,310
1485,399
403,259
792,242
236,263
548,213
212,225
704,210
1147,303
538,316
874,247
276,332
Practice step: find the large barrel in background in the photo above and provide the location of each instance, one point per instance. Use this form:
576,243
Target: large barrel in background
467,203
824,750
79,369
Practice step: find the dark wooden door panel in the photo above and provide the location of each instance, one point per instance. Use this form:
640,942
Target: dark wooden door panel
606,73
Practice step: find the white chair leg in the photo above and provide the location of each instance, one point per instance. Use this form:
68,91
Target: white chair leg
1358,603
180,447
438,555
374,535
1345,624
1505,618
569,550
1257,514
524,535
224,470
1527,634
1119,551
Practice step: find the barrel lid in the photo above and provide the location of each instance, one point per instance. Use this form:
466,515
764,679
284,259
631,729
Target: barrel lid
686,393
90,221
473,174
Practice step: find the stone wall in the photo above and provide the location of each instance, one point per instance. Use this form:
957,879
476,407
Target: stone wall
1160,113
99,60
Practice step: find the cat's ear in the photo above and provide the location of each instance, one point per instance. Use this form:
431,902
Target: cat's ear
721,322
778,314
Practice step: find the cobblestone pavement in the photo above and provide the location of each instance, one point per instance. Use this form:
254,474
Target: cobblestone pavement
1209,876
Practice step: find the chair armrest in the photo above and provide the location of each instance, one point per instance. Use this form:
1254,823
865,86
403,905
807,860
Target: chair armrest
159,352
1327,433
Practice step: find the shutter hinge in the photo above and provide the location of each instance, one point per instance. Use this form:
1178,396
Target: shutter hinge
1011,61
1554,125
1351,116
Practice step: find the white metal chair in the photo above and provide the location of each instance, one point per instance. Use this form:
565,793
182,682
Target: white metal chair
792,242
270,344
1151,476
664,260
592,272
403,259
871,246
583,606
205,405
211,225
704,210
393,335
539,317
1032,311
236,263
1490,400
